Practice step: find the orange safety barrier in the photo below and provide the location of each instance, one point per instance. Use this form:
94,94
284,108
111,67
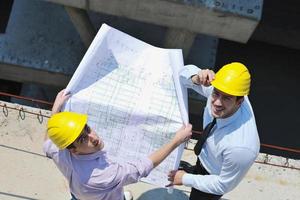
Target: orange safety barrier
26,98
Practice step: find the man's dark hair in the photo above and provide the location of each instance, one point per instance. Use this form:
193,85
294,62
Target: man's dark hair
239,97
71,146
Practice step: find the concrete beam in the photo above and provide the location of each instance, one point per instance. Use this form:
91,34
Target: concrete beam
31,75
82,23
233,20
184,39
36,49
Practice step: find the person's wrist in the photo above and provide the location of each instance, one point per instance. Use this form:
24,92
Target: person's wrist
194,79
55,110
176,141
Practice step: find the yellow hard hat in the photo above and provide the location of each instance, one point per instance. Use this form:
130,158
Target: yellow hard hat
64,128
233,79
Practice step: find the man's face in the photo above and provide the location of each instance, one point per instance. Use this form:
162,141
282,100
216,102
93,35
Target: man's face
88,142
224,105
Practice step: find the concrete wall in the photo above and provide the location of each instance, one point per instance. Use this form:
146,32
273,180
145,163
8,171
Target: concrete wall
25,172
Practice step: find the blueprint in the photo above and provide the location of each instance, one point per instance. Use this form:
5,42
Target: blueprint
132,95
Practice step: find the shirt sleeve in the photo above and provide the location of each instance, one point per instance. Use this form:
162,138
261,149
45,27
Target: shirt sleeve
132,172
113,175
50,149
185,78
236,163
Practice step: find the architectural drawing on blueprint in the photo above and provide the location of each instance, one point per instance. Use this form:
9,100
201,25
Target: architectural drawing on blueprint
128,90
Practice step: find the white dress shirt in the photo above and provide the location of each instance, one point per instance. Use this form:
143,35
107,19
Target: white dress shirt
231,148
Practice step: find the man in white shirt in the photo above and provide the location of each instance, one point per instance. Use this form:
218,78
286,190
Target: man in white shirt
232,144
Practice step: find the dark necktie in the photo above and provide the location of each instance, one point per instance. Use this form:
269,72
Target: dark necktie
204,136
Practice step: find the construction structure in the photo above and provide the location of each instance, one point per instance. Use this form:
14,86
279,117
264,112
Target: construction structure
43,41
27,57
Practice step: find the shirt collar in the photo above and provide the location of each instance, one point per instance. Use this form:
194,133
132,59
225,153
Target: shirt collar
91,156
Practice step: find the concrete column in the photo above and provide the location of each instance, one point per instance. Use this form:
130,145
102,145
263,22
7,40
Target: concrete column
22,74
179,38
82,23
